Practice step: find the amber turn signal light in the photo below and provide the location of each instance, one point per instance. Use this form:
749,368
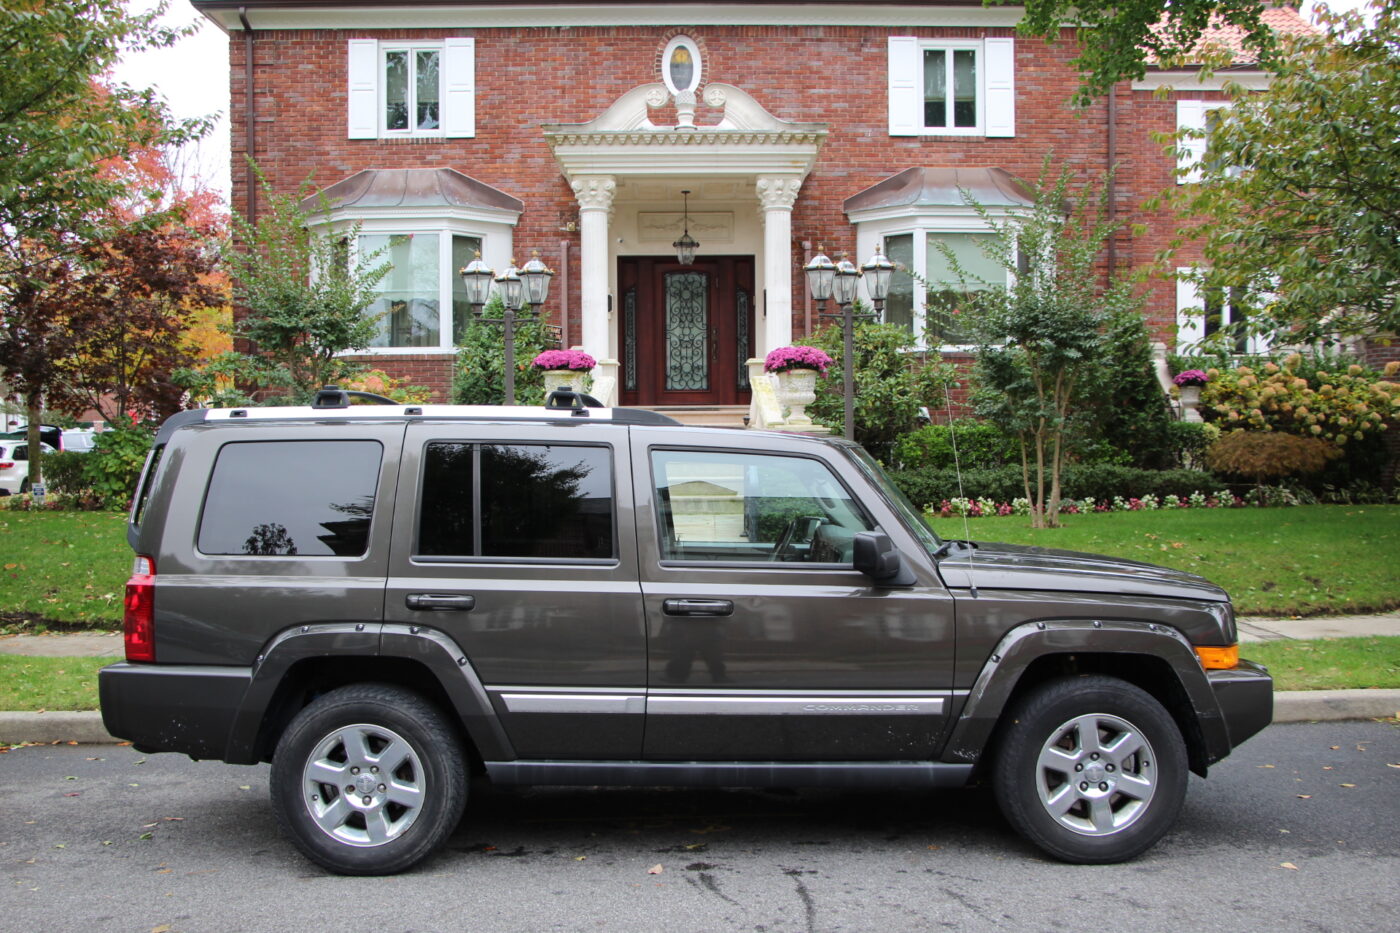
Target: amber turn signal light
1218,657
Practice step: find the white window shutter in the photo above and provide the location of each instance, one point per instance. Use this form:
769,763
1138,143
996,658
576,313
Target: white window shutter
999,65
1190,313
906,82
362,89
1191,152
459,87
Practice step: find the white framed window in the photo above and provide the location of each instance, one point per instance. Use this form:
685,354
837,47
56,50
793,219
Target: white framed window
952,87
1203,309
913,243
418,89
1194,153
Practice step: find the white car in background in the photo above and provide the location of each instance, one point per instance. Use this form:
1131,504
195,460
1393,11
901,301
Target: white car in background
14,466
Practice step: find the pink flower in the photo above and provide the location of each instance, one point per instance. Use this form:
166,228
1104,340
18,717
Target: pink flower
785,359
576,360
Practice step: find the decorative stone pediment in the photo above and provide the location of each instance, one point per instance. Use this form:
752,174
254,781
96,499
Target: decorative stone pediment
623,140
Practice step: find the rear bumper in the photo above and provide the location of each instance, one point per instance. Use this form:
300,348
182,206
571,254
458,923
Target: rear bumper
172,708
1246,697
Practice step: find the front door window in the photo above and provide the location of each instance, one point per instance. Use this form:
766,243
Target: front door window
687,332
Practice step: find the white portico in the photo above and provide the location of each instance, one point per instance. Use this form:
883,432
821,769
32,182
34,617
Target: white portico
680,333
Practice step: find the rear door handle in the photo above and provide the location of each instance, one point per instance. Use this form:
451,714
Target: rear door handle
698,607
439,602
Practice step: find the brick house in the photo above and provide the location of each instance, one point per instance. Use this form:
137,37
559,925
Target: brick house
577,129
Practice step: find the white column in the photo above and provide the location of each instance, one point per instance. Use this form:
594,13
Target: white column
595,197
776,194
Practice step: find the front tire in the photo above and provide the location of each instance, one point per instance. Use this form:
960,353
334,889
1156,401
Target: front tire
369,779
1091,769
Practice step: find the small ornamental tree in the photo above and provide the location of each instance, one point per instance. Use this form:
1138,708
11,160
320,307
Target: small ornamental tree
304,299
481,359
1044,344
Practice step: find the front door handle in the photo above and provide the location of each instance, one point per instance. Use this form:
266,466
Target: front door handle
698,607
439,602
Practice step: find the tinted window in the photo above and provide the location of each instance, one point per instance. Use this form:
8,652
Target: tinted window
282,498
534,501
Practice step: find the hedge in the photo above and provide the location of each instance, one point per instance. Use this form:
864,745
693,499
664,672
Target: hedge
1078,481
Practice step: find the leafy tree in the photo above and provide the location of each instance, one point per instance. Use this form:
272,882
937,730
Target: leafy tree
1043,344
59,126
1116,40
304,299
1298,207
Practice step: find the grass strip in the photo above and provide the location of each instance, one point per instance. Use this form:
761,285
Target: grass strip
31,684
1329,663
1308,560
68,568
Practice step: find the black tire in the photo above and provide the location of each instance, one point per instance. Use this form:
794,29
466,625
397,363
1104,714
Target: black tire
1114,773
395,818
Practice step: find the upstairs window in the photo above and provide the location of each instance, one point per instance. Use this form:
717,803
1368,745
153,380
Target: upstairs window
1193,153
964,87
411,89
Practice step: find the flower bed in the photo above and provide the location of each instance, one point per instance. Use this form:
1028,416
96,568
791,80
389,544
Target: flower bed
1275,496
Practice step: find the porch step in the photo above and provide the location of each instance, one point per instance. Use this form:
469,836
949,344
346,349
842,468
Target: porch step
722,416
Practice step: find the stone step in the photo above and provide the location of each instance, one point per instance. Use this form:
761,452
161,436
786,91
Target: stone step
724,416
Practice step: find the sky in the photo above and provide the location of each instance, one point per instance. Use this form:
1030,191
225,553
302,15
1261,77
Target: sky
193,78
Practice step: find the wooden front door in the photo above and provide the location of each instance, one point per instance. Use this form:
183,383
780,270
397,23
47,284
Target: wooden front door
685,331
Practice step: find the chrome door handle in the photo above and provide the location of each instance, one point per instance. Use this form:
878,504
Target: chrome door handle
439,602
697,607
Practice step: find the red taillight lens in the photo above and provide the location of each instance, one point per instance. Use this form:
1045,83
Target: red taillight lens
139,621
7,465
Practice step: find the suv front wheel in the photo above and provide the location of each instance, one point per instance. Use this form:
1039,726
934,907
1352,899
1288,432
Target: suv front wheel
368,779
1091,769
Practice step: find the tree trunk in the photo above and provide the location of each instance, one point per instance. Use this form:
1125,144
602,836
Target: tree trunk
36,453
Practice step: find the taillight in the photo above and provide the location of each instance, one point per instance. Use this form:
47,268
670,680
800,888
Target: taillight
7,465
139,622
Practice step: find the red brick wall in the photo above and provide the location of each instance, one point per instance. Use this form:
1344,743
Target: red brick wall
833,75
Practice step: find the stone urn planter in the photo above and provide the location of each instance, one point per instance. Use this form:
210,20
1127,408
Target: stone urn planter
1190,403
797,388
565,369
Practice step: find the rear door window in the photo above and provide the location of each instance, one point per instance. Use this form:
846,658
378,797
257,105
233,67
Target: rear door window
291,499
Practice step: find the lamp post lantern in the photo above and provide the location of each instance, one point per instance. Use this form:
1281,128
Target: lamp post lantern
519,287
838,280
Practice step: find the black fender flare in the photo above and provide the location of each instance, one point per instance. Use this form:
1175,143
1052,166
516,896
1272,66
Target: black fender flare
433,649
1026,643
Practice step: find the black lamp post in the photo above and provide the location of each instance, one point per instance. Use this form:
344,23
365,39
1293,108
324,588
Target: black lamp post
519,287
828,280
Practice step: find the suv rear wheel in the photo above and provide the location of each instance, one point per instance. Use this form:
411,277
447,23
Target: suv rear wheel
1091,769
369,779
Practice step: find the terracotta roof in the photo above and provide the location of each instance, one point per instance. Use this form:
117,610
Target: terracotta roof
943,187
413,187
1283,20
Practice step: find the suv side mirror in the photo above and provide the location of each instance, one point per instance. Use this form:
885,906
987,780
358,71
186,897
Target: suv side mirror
874,554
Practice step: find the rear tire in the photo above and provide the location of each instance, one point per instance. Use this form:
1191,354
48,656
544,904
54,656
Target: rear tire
369,779
1091,769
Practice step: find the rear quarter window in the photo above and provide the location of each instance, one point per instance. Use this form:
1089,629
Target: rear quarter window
291,499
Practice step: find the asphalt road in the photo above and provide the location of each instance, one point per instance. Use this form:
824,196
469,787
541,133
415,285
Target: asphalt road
1300,830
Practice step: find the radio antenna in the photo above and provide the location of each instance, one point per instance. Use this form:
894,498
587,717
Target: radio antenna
957,468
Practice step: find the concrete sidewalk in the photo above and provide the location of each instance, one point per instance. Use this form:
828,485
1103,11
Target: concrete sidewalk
1289,705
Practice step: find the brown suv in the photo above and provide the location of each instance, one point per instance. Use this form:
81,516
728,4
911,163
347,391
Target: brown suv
384,601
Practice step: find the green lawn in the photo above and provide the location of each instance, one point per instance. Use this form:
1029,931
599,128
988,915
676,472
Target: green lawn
68,568
32,684
1309,560
1329,663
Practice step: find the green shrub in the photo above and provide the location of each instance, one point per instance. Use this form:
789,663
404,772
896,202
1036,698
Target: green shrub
113,467
893,383
1080,481
1261,455
479,378
979,444
65,472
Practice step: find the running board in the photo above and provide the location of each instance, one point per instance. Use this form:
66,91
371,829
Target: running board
861,775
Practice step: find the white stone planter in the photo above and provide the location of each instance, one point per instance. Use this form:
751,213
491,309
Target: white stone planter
1190,402
576,380
797,388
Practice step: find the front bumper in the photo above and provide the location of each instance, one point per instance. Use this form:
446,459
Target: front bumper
172,708
1246,697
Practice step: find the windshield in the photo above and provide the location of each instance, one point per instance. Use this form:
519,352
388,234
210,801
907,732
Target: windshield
896,498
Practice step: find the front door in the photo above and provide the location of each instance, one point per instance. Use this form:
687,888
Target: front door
685,331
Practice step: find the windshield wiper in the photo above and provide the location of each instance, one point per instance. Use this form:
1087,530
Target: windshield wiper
946,546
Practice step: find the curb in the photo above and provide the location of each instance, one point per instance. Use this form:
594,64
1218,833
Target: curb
86,728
